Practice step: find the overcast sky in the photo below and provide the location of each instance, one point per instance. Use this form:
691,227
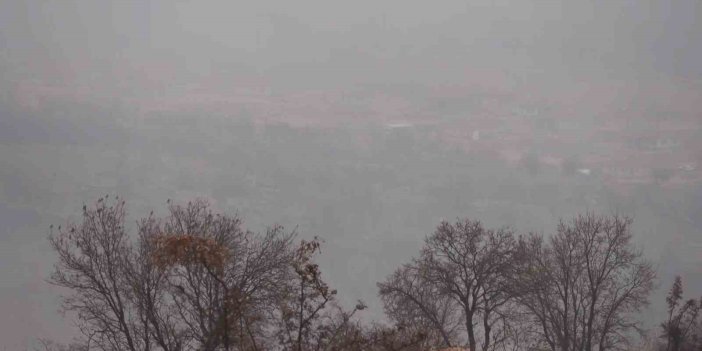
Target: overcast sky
82,37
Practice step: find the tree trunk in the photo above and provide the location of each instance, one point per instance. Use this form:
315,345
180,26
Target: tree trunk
471,332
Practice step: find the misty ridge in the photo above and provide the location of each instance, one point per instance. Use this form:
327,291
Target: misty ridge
391,175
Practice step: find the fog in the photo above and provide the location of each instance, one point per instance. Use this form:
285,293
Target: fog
363,122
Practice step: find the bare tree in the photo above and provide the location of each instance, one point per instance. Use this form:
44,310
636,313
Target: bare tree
196,280
150,284
224,282
93,264
412,302
584,287
469,265
338,329
306,298
193,280
680,329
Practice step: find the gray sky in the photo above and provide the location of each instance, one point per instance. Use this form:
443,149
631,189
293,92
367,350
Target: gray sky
84,38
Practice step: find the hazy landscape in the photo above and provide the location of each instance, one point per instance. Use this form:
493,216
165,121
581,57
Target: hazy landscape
363,123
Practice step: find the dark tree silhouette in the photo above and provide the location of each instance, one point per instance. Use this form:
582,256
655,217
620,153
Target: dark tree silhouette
680,331
463,274
584,286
